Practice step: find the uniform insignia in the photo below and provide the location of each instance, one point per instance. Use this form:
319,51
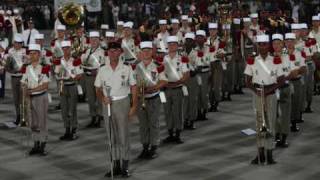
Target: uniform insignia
153,75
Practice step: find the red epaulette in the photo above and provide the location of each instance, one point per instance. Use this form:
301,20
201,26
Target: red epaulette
184,59
76,62
292,57
57,62
212,49
277,60
303,54
222,45
48,53
23,69
45,69
200,54
250,60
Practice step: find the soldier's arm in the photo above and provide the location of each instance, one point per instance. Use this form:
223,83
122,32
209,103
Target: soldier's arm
249,83
42,87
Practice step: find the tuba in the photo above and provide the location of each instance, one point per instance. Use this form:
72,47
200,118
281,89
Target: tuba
72,16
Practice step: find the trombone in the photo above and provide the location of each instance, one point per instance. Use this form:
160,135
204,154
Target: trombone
24,106
142,86
263,128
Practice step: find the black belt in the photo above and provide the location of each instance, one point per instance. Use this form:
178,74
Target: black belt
296,79
71,84
264,86
152,97
40,94
16,76
178,87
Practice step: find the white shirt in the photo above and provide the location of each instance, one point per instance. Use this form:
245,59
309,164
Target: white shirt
18,56
26,33
95,60
174,68
264,72
67,69
34,77
120,80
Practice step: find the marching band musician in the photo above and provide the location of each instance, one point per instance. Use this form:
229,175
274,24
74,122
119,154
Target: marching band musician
185,28
120,78
69,72
16,62
202,67
264,75
119,31
109,37
128,44
283,120
228,79
46,55
191,101
217,65
92,59
177,72
36,80
161,40
80,40
298,59
175,30
17,23
150,76
315,33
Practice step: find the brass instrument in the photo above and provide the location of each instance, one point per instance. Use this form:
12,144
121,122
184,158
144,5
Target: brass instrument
142,86
24,106
72,16
263,128
61,82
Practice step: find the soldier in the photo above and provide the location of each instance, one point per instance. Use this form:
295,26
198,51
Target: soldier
3,47
237,60
185,28
264,76
297,59
151,77
109,37
29,34
79,41
254,26
217,51
92,59
191,101
284,100
202,67
309,49
36,81
104,28
57,50
46,55
161,40
227,66
130,49
315,33
300,47
68,72
119,29
177,72
175,30
15,63
120,78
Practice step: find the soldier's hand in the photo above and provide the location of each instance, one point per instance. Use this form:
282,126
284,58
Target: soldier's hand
294,73
106,100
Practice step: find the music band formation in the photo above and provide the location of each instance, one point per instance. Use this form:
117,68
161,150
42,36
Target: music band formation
184,67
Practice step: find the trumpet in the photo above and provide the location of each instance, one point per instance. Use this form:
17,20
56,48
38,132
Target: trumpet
61,83
24,107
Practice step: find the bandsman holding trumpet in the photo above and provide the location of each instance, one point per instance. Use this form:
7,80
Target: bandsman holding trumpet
35,82
119,78
15,64
264,75
46,55
151,77
92,59
67,73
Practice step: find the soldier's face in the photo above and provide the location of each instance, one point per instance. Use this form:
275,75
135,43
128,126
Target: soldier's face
34,56
305,32
254,20
114,53
175,26
147,53
200,40
163,27
61,33
17,45
315,23
213,32
297,32
80,31
172,47
264,48
277,45
290,43
184,23
94,42
127,31
66,51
